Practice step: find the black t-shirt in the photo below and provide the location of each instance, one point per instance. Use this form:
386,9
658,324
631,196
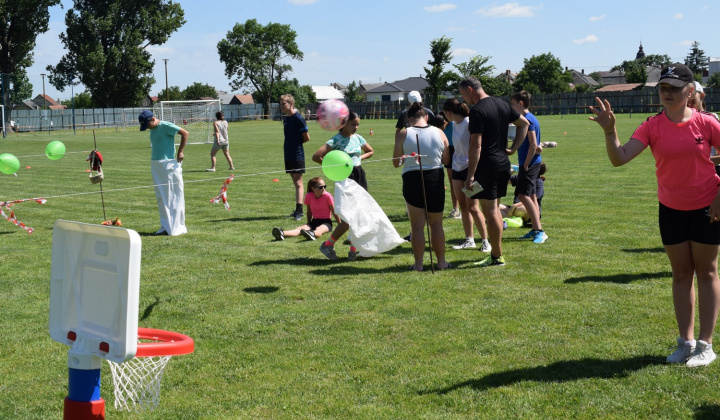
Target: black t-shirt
403,122
490,117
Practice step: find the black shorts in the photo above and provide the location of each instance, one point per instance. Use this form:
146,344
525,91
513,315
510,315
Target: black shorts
434,189
526,180
315,223
678,226
358,175
295,166
451,149
494,184
460,175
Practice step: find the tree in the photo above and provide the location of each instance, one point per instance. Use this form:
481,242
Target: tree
435,75
714,80
657,60
21,21
478,68
107,45
697,61
199,90
353,93
175,94
303,94
83,100
253,55
634,70
543,74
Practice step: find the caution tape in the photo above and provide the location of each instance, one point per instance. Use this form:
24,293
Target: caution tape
11,218
223,193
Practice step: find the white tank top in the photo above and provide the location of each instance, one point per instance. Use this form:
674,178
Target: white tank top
222,131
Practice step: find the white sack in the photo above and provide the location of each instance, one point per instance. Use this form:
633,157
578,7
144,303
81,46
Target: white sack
170,195
370,230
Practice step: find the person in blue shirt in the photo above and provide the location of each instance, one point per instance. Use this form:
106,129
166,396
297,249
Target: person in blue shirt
529,167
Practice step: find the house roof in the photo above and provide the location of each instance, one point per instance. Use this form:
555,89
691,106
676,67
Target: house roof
243,99
50,101
323,93
580,78
364,87
386,87
622,87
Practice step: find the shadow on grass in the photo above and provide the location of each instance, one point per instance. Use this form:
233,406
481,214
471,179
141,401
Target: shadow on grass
148,310
644,250
564,371
261,289
707,412
619,278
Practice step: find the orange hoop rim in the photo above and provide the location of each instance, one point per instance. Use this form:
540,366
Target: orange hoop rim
167,343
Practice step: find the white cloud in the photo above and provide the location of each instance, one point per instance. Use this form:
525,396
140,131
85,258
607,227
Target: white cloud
454,29
678,16
440,7
302,2
589,38
464,51
511,10
596,18
684,43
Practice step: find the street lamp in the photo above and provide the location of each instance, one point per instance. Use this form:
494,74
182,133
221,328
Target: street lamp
44,100
72,102
167,92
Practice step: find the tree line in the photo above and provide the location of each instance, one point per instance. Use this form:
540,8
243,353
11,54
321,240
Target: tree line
106,50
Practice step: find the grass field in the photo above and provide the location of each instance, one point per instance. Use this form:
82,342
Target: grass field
578,327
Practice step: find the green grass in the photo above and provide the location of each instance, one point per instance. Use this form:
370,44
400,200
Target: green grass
575,328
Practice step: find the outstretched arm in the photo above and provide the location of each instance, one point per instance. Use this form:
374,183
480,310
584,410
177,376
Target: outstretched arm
618,154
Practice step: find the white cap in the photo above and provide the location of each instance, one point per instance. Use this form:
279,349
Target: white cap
414,96
698,87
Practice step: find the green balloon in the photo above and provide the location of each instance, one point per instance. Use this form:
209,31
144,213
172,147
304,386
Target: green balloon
55,150
9,164
337,165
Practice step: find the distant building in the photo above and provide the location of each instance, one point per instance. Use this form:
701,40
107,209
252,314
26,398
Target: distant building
396,91
323,93
234,98
149,101
580,78
47,102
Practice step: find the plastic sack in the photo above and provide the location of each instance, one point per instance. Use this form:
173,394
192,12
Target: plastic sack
370,230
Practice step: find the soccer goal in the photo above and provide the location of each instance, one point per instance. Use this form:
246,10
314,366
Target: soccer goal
196,117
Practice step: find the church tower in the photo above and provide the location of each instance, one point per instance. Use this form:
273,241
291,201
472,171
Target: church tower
640,54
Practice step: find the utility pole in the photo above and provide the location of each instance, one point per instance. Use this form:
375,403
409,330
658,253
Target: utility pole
167,92
44,100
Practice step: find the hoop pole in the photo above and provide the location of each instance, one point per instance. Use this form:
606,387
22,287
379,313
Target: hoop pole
83,401
427,218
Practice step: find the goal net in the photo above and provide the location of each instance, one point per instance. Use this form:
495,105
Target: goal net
195,116
129,117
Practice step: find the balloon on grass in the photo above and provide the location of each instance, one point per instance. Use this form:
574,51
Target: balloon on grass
337,165
9,164
55,150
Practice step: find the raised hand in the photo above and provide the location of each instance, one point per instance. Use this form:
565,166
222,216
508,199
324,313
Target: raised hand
603,116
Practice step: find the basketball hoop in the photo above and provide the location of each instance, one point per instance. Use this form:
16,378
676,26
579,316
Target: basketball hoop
137,381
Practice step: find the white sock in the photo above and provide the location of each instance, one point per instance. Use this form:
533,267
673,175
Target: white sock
691,342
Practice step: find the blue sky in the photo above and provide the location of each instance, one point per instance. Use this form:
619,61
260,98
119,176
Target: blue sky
383,41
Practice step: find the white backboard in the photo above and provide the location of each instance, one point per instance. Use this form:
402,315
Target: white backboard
94,289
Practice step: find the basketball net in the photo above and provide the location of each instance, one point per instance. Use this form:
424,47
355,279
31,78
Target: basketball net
137,383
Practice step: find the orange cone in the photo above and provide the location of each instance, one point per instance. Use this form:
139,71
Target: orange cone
371,133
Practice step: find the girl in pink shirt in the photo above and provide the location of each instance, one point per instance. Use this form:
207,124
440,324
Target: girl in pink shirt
680,139
320,211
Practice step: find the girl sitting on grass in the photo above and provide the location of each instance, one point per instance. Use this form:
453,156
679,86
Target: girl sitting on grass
320,208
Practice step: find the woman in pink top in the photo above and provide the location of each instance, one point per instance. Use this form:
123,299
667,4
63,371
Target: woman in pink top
320,211
689,212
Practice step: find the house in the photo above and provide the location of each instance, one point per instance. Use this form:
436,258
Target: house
149,101
44,101
580,78
27,104
364,87
620,87
323,93
396,91
234,98
508,76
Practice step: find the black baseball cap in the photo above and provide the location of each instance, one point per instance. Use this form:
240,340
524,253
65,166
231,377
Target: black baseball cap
676,74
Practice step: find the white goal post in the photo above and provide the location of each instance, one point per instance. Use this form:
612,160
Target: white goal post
196,117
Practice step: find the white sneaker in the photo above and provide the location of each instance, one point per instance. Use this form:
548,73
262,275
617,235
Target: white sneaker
469,243
485,247
702,356
454,214
682,352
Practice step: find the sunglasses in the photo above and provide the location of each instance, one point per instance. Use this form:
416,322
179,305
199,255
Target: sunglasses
322,187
